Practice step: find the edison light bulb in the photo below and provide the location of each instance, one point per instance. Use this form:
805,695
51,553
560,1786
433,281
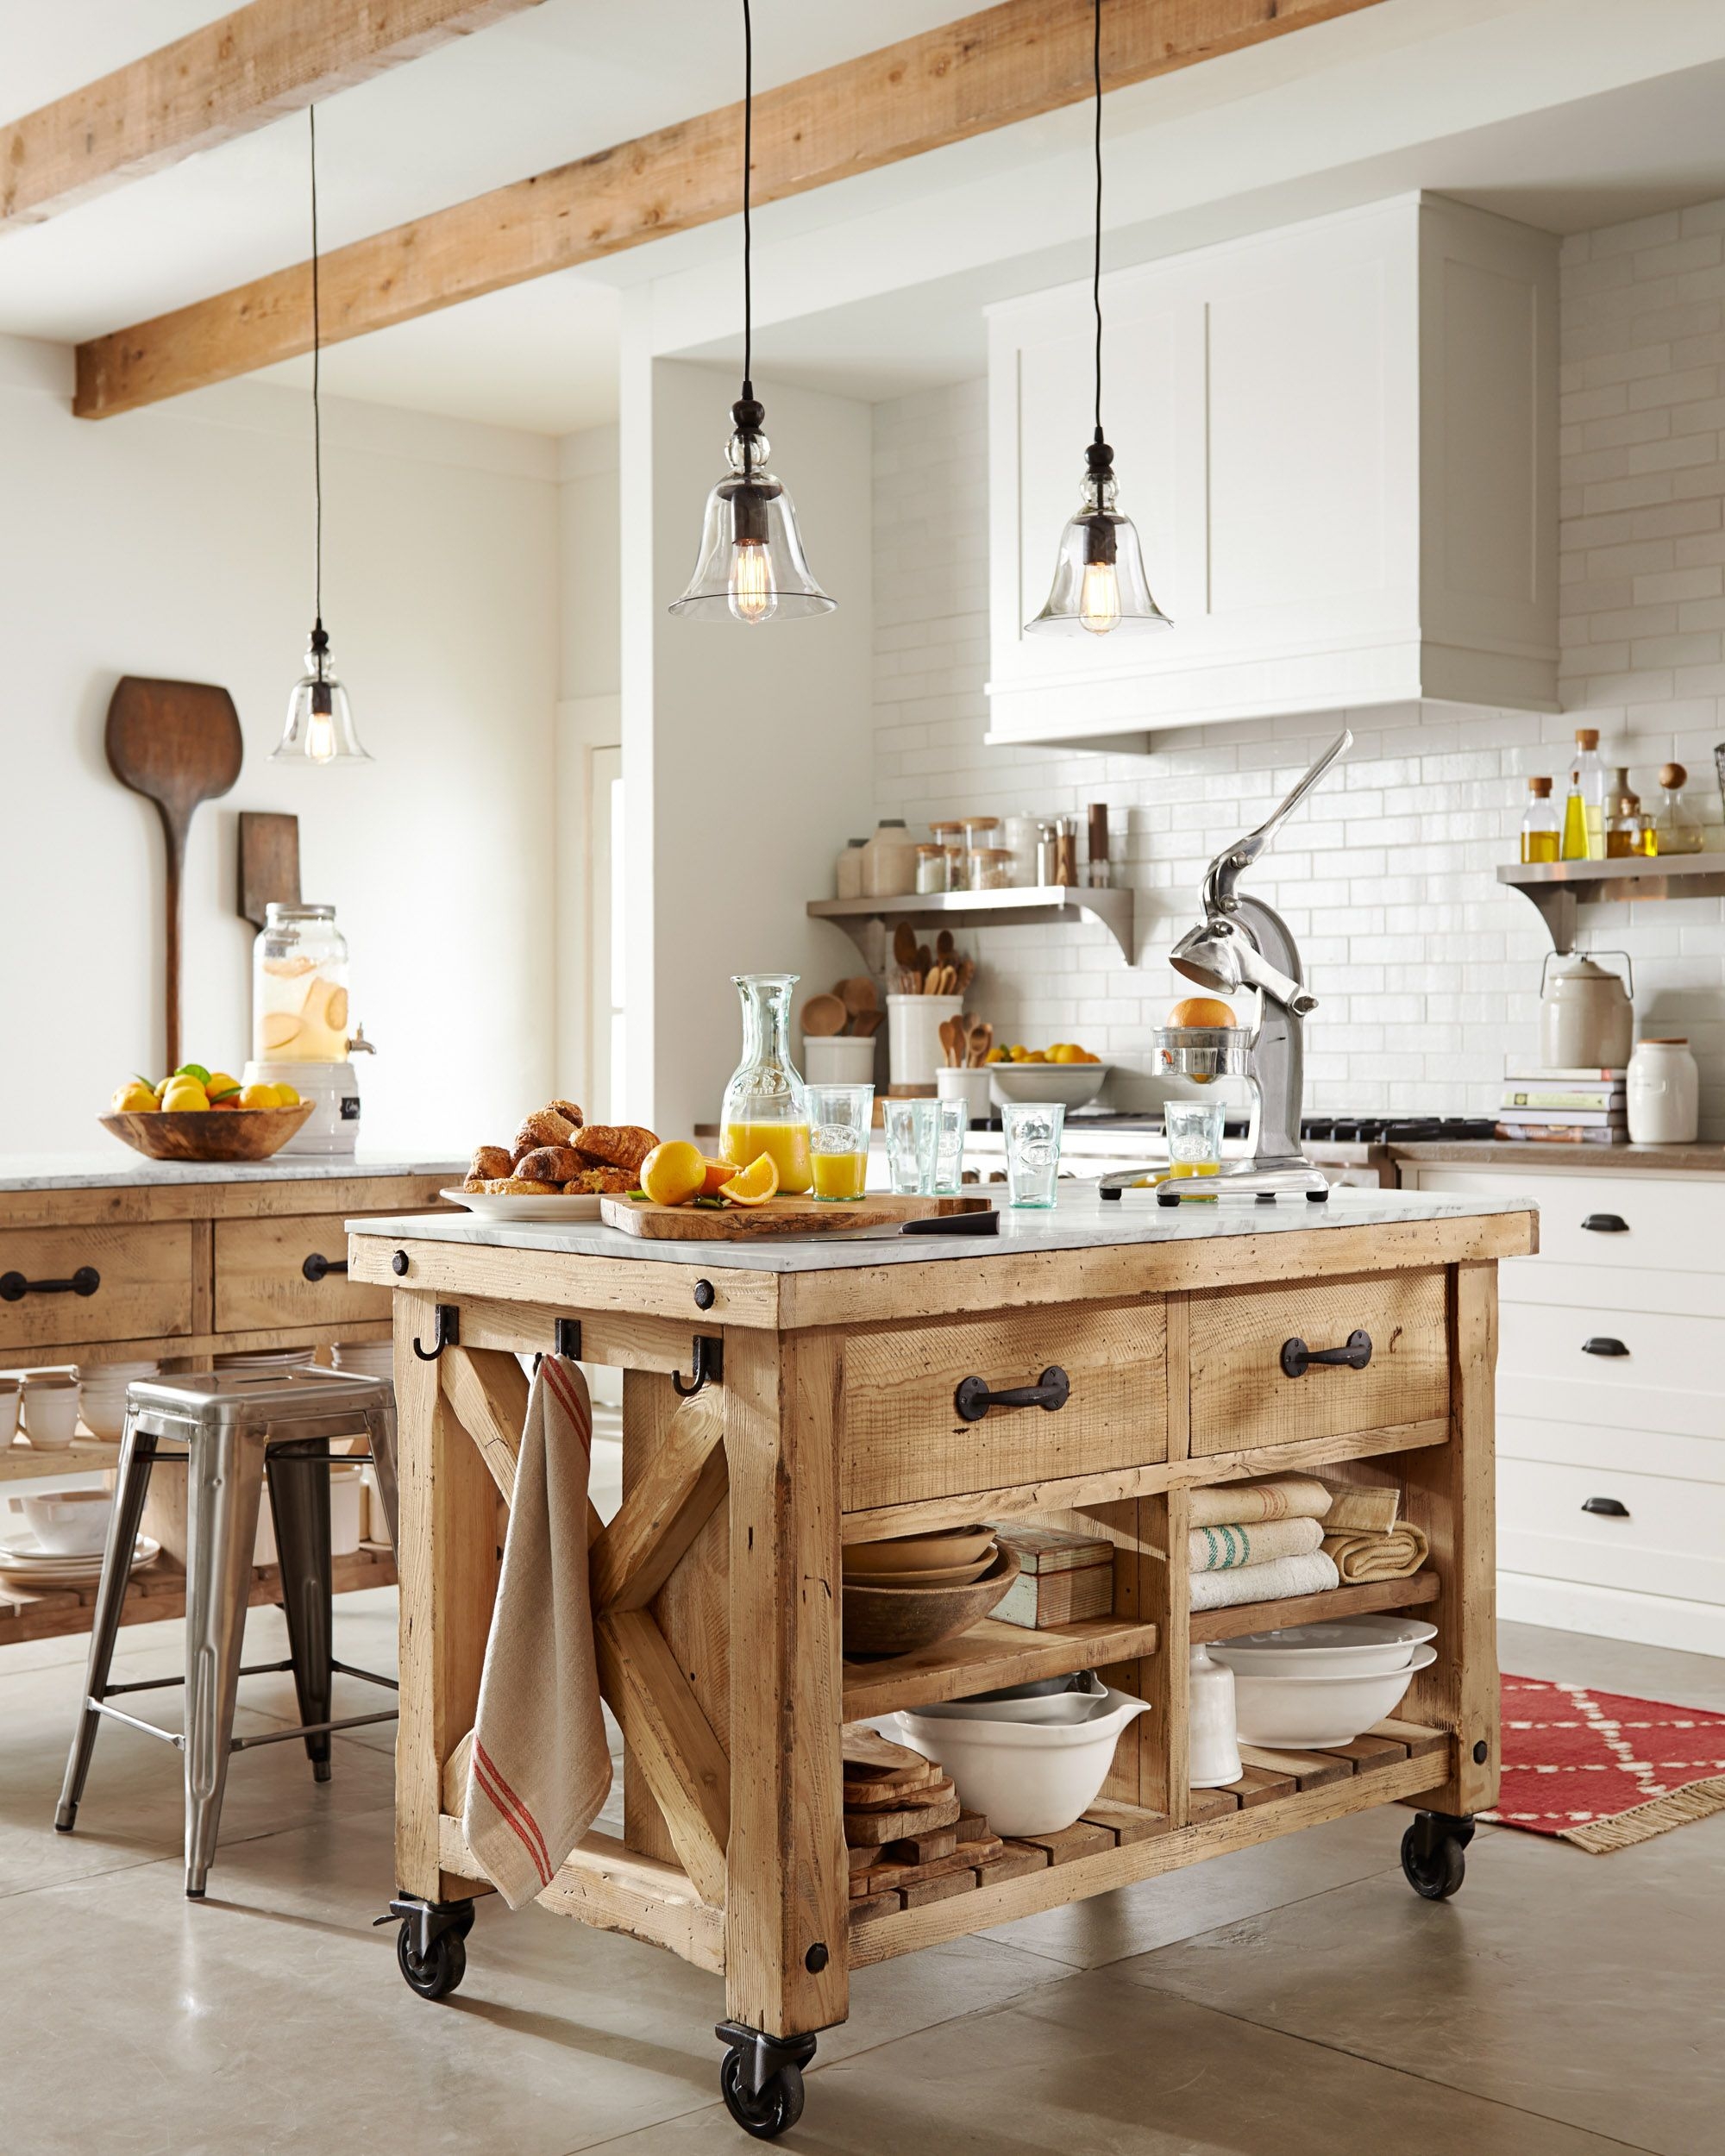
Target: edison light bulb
320,737
1099,603
753,594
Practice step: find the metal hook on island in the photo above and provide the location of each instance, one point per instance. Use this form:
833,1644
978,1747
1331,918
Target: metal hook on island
709,1366
446,1333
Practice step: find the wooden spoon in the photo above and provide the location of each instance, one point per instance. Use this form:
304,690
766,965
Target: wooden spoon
867,1023
824,1015
942,944
924,960
178,743
905,945
857,994
948,1042
982,1040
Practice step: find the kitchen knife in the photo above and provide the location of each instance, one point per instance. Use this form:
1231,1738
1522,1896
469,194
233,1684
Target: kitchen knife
984,1222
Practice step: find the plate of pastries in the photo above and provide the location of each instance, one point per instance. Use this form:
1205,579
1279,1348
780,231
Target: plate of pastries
557,1168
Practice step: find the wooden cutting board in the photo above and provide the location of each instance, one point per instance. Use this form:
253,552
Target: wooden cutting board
778,1217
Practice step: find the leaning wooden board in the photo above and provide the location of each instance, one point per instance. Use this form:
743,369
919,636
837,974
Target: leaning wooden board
779,1216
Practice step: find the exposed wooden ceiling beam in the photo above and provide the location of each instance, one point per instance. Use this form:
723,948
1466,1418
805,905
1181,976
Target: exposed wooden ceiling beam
239,74
1007,64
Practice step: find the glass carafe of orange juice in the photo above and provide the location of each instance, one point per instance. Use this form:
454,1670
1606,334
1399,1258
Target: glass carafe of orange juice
765,1109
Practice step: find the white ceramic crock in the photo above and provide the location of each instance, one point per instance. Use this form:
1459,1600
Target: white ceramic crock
1212,1739
838,1059
1587,1018
1664,1094
915,1055
971,1086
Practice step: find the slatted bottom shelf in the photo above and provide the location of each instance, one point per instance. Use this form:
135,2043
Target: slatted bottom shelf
1113,1845
160,1593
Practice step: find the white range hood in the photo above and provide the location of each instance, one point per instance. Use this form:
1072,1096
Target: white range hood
1338,442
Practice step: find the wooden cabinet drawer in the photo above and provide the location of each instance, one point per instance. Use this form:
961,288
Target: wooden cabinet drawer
901,1436
143,1287
1242,1397
261,1278
1666,1540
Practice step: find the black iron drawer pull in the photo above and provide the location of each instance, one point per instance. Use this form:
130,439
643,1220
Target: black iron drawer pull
1602,1343
1606,1224
317,1265
1612,1508
1050,1392
1297,1358
14,1287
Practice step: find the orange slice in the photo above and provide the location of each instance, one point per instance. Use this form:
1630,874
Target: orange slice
757,1183
718,1173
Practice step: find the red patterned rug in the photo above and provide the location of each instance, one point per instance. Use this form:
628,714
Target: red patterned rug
1604,1771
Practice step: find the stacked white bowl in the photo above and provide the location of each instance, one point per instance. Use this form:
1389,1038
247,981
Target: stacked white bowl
1031,1758
365,1358
104,1387
1311,1685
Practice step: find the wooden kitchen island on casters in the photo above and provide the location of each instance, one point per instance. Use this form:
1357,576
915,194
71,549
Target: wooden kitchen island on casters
715,1587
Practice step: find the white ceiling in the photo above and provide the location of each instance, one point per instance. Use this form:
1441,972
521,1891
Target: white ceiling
1597,113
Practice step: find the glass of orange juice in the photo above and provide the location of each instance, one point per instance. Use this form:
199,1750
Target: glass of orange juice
840,1117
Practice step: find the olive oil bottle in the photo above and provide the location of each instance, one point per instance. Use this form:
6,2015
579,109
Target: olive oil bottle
1540,832
1584,822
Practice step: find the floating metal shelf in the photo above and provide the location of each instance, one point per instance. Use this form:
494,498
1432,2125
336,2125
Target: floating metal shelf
1558,887
865,919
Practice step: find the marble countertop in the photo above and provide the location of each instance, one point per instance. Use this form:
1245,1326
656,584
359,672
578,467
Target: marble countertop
119,1168
1081,1220
1486,1152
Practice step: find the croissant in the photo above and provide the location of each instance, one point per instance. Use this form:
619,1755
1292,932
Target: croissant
521,1186
615,1144
548,1164
569,1110
611,1182
543,1127
490,1161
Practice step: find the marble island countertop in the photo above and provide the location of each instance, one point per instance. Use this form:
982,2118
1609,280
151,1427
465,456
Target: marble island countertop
1081,1220
116,1166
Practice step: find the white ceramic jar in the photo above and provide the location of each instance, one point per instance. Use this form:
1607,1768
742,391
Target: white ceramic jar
889,859
1664,1094
1213,1741
847,870
1586,1019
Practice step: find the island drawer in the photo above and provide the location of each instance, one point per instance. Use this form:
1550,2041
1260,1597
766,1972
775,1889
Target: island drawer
902,1438
262,1280
1244,1393
94,1283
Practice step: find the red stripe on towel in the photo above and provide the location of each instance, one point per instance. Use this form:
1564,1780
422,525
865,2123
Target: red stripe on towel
569,1400
512,1812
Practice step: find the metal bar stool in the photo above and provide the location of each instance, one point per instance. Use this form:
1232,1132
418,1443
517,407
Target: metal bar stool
231,1429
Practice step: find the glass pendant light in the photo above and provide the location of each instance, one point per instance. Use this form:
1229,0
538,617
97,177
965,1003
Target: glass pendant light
320,724
1099,581
751,567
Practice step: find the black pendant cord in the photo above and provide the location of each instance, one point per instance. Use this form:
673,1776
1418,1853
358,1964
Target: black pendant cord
1096,257
316,403
748,161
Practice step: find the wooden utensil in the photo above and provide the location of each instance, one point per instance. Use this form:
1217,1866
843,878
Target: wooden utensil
967,973
904,944
925,959
824,1015
178,743
943,944
982,1040
269,864
857,994
949,1041
867,1023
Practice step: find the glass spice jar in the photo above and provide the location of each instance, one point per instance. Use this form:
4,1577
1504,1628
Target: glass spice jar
931,868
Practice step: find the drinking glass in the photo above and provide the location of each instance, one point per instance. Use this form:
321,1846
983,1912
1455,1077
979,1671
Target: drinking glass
840,1117
1194,1130
901,1120
926,1146
1032,1129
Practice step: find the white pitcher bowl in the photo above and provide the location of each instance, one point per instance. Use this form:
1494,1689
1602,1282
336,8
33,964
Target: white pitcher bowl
1028,1777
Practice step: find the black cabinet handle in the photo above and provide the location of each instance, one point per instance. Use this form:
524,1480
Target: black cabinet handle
317,1265
14,1287
1297,1358
1606,1224
1602,1343
1611,1509
1050,1392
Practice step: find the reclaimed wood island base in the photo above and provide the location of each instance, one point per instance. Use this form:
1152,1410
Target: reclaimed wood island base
832,1368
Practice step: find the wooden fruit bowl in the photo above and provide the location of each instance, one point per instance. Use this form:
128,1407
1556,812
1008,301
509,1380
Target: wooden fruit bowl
900,1619
230,1134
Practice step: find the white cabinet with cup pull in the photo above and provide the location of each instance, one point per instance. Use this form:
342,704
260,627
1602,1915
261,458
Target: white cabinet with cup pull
1611,1402
1337,441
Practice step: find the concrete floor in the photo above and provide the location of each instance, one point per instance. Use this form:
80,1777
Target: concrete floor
1296,2000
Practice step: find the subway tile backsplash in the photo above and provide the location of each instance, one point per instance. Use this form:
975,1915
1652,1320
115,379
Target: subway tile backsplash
1426,969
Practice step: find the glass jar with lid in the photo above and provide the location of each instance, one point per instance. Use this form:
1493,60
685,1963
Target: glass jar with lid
930,867
948,833
300,986
990,869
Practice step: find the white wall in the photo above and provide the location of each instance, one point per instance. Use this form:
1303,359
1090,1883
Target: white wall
177,542
746,752
1428,970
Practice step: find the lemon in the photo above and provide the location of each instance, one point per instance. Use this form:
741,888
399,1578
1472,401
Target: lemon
757,1183
134,1098
161,1086
673,1172
221,1085
188,1099
257,1096
193,1070
286,1097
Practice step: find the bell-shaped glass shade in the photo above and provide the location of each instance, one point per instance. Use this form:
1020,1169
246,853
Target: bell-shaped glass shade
320,724
751,567
1098,580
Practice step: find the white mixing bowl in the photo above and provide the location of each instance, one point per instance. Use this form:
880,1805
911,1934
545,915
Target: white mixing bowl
1291,1712
1359,1645
1028,1777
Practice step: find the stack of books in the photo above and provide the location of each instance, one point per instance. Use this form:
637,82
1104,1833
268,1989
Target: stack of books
1565,1107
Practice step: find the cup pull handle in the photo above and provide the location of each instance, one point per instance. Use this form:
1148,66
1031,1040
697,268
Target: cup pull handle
1610,1507
1606,1224
1602,1343
1050,1392
1354,1354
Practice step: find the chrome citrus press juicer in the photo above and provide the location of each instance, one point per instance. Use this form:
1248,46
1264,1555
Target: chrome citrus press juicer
1242,944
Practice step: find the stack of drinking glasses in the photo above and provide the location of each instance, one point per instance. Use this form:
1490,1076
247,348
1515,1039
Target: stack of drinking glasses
925,1146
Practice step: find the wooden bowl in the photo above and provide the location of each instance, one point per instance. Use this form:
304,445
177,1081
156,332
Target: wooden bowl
941,1547
900,1619
935,1575
217,1134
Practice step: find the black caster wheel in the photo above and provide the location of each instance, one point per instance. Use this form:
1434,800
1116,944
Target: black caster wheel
441,1970
1433,1856
778,2106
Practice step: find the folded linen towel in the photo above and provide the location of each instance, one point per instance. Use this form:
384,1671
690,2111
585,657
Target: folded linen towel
1394,1556
540,1768
1357,1508
1226,1548
1309,1574
1280,1497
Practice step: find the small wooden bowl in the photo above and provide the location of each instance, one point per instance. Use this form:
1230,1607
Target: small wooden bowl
217,1134
940,1547
900,1619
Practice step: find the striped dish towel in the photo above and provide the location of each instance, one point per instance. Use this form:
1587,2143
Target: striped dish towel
1226,1547
540,1770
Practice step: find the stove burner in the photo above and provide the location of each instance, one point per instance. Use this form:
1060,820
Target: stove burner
1384,1129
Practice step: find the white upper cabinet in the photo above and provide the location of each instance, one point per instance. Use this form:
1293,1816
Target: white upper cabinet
1339,443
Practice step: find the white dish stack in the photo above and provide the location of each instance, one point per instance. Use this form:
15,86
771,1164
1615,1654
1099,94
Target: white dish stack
105,1386
1308,1686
